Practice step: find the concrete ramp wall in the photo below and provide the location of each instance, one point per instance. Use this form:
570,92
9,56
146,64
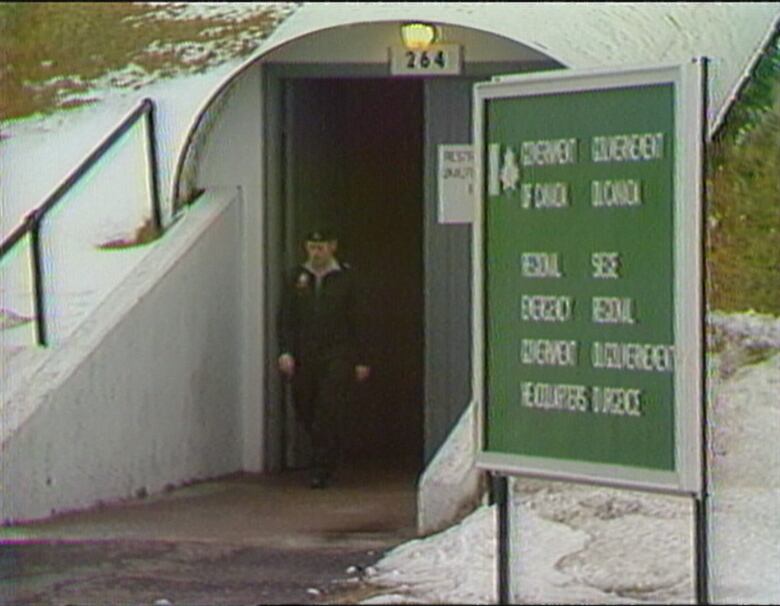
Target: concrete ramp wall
451,487
146,392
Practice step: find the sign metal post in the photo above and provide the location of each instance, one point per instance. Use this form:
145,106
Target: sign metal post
701,501
501,495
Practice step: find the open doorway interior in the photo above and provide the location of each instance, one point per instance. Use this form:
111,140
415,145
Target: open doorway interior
354,163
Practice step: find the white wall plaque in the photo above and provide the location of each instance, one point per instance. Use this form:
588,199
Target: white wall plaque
436,60
456,183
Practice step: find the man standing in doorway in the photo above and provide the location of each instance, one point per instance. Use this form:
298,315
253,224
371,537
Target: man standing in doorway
321,348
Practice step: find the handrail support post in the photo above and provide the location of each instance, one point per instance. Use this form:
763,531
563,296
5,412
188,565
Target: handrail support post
154,166
34,220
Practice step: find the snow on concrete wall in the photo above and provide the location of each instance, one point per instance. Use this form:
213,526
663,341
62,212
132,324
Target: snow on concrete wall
145,393
451,486
576,35
109,204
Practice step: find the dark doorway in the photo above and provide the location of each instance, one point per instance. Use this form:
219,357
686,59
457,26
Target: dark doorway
354,162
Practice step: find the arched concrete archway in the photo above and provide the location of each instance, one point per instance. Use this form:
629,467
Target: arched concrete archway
577,36
330,93
362,42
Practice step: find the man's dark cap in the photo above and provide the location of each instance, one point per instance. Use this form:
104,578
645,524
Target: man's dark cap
320,235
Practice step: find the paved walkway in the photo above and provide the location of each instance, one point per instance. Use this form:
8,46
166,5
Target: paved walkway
247,539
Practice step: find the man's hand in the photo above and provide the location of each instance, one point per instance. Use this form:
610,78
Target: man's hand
362,372
287,365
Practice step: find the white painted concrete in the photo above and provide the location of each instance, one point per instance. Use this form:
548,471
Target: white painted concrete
233,157
368,43
110,203
575,35
451,486
146,391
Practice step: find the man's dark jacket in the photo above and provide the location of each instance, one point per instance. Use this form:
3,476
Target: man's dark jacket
324,321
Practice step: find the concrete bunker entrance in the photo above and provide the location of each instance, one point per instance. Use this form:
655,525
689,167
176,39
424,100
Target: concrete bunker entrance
353,162
351,147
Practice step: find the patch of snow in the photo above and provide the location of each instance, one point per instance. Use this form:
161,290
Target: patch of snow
537,573
111,202
213,31
54,81
113,197
637,547
453,566
130,75
637,557
218,52
392,598
750,328
458,565
745,520
234,11
581,544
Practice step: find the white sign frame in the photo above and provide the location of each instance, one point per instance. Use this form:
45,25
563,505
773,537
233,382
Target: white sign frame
688,272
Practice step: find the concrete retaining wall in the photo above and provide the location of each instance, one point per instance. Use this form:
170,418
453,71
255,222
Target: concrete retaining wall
451,487
147,391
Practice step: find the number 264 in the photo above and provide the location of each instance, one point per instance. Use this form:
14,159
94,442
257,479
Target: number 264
424,60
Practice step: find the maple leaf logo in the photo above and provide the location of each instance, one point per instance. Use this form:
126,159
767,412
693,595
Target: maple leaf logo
509,175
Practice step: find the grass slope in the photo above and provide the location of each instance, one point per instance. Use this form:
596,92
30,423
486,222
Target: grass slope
743,187
743,247
50,51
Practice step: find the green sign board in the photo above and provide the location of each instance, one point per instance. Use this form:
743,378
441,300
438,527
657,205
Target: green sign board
589,336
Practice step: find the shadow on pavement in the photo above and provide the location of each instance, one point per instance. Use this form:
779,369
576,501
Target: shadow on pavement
243,539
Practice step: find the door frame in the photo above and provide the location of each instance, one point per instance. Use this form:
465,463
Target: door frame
275,423
278,247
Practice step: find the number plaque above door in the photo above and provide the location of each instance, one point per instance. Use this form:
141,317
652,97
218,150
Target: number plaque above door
436,60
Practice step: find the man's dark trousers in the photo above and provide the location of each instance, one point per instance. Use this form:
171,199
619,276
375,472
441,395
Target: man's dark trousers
321,391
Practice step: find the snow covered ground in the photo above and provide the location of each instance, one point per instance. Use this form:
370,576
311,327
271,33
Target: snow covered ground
593,545
112,202
235,11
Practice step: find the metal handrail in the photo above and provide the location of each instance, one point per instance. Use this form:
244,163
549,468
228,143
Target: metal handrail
31,224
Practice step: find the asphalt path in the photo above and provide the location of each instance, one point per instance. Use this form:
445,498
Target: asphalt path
240,540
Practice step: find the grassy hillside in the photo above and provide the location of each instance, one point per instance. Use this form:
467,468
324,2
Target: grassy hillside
52,54
743,215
